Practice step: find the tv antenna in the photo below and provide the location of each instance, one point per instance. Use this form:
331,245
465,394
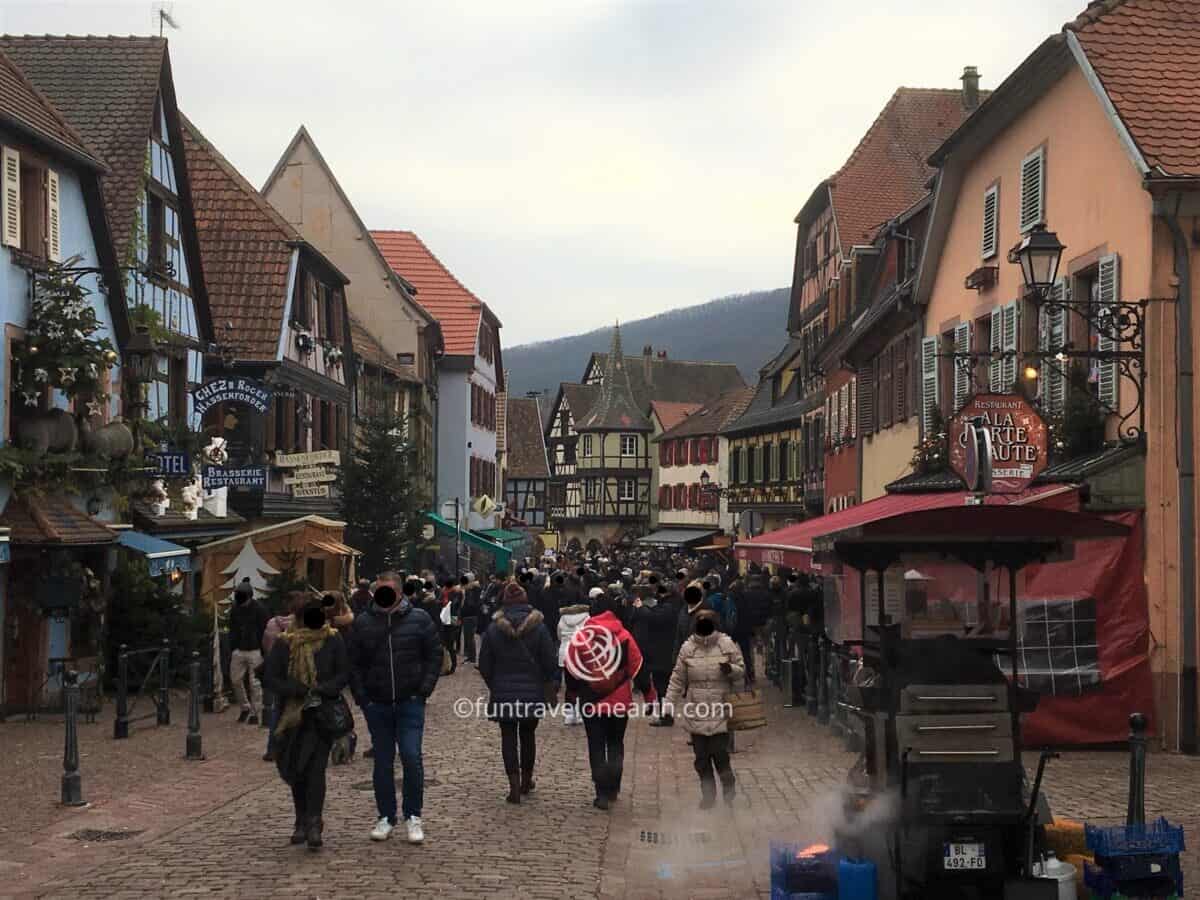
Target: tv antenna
164,13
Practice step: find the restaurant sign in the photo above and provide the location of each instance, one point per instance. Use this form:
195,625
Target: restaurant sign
316,458
247,391
1019,440
245,478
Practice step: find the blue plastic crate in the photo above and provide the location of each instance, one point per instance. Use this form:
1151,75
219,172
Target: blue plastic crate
1104,886
1134,840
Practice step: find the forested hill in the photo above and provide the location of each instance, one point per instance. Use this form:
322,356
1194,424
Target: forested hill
746,329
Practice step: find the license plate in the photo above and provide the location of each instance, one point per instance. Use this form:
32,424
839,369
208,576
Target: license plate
965,857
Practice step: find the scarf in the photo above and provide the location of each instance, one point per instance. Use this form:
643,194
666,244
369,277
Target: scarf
303,644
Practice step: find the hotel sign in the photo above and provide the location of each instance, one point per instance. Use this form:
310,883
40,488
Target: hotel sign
1019,440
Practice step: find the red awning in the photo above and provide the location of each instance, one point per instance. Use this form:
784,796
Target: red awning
792,546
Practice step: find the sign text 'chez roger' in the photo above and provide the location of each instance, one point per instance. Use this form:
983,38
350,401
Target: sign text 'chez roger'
1019,440
247,391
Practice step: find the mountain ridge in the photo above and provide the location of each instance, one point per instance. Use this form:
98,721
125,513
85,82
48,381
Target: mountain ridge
744,329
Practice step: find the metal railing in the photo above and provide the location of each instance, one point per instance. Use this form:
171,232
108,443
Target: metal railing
160,696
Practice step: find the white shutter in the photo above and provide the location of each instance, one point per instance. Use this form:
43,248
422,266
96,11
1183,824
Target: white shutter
1012,338
12,198
996,348
843,410
53,225
1110,293
963,365
991,202
929,381
1033,189
1052,334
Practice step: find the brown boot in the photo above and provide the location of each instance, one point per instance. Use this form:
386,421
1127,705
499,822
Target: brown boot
514,787
313,834
527,783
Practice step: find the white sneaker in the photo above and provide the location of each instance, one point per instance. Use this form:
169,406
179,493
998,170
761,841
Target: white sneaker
382,830
415,834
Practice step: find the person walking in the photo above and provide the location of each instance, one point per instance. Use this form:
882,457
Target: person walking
519,665
693,603
395,660
276,626
308,666
603,665
472,603
709,666
450,615
570,620
654,621
247,624
360,600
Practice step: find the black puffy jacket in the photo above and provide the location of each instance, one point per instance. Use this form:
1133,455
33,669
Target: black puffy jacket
395,654
518,656
654,630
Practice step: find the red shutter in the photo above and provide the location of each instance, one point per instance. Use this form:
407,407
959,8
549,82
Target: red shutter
662,455
715,451
679,498
664,497
693,496
703,442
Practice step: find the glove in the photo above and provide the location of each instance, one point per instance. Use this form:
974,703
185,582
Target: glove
726,669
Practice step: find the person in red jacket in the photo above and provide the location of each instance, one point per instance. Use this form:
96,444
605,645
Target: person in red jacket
603,665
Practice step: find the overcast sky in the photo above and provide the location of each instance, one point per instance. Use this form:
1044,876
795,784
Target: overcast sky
573,162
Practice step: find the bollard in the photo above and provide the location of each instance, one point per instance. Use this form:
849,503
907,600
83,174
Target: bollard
121,725
1136,813
72,782
164,684
823,683
812,674
194,751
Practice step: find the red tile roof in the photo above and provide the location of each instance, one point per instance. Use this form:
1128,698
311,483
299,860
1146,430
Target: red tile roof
712,417
525,443
105,87
671,414
247,248
24,104
51,519
887,172
443,296
1147,55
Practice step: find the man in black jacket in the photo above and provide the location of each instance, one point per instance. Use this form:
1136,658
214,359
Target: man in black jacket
472,604
395,660
654,622
247,624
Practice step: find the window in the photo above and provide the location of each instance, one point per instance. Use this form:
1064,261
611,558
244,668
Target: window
31,206
714,451
300,314
629,445
991,214
1059,646
664,459
735,466
768,463
591,489
1033,189
587,445
628,489
784,464
664,497
333,315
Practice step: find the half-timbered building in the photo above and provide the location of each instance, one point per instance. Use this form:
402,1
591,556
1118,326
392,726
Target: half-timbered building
527,469
285,328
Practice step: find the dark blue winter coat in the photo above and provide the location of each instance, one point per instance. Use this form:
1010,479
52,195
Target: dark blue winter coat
395,654
518,658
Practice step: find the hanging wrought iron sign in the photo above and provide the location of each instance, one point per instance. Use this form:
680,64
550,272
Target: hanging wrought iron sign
246,391
1019,440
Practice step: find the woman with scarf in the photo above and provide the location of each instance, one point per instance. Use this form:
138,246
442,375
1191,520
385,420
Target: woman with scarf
603,665
308,666
518,663
708,669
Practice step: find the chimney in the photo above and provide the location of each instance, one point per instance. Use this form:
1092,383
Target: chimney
647,360
970,88
662,354
647,350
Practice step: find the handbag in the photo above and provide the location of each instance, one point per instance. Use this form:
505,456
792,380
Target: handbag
445,614
745,708
333,718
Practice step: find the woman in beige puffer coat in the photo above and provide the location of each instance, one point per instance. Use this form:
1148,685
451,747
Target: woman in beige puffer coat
707,669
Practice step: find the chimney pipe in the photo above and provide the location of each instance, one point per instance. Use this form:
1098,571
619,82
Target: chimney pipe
647,360
970,88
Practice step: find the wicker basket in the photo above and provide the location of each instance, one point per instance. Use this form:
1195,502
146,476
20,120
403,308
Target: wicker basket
747,711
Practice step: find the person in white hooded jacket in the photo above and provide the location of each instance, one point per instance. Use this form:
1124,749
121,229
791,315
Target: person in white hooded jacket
570,620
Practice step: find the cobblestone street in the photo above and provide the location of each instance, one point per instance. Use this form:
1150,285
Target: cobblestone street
220,828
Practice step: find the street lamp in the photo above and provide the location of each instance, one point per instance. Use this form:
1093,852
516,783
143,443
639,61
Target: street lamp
1038,254
704,479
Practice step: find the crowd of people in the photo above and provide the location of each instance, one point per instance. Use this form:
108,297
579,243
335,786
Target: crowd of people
600,630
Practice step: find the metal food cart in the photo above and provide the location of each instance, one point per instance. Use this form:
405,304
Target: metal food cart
939,708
